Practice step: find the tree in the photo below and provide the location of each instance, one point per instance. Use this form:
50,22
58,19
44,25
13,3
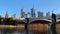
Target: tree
11,19
0,16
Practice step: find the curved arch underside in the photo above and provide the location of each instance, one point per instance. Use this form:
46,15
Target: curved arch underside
39,21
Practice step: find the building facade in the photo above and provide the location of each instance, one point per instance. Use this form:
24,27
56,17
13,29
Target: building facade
33,14
40,14
22,12
16,16
47,14
28,15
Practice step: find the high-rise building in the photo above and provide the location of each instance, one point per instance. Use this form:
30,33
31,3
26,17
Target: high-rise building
22,12
16,16
40,14
28,15
47,14
25,15
6,16
33,14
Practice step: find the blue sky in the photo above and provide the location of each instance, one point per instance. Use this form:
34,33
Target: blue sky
14,6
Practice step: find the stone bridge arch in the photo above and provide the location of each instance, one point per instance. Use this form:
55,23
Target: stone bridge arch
58,27
39,26
20,26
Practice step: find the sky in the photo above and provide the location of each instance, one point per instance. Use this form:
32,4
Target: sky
14,6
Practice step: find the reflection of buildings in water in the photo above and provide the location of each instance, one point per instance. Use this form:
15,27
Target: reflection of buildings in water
15,32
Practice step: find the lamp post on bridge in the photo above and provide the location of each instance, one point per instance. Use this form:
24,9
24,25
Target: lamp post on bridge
53,24
26,24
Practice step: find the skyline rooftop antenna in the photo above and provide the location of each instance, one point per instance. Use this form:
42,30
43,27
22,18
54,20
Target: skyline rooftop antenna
33,4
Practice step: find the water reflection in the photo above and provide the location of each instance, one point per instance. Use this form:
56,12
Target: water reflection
14,31
19,29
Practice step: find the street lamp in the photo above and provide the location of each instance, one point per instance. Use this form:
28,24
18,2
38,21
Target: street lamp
53,24
27,22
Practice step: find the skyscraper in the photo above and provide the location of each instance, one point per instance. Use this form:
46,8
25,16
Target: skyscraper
22,12
28,15
6,16
16,16
40,14
33,14
25,15
47,14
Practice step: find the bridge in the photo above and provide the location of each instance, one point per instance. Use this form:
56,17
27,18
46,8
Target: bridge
36,19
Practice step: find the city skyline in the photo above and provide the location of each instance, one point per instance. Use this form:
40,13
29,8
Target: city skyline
14,6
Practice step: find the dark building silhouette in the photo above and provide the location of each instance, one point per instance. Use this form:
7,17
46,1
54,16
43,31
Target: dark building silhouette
33,14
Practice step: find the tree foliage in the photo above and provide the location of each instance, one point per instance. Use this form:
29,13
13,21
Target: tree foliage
10,21
0,16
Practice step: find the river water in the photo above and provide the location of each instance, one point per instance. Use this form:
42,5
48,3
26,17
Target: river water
6,31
